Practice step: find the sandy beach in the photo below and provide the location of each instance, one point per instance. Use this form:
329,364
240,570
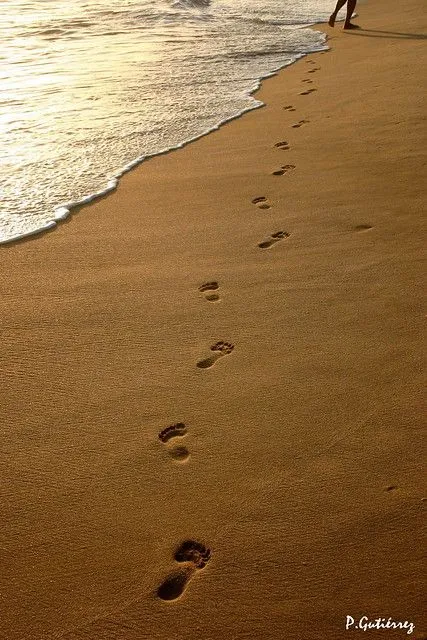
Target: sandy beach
211,379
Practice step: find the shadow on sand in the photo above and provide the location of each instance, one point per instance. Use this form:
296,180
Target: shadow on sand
377,33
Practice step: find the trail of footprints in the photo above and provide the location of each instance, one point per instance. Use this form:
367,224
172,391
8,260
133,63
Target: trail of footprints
191,555
307,92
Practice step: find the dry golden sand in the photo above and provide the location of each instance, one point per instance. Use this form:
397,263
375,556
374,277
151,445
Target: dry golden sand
300,468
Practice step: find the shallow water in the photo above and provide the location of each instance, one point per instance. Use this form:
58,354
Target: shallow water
88,88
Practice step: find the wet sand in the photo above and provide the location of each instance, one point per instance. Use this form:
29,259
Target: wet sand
211,379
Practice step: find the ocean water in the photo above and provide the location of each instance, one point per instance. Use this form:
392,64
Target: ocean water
88,88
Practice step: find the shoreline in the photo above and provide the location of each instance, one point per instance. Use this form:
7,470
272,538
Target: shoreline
212,379
67,210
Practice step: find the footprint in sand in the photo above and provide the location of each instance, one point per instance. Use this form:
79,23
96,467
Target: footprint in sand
306,93
310,62
261,202
362,227
307,80
195,556
289,107
207,289
314,70
299,124
178,430
219,349
275,237
284,169
282,145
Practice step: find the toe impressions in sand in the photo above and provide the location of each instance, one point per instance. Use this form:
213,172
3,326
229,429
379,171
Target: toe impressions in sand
219,349
179,453
261,202
195,556
210,291
285,168
275,237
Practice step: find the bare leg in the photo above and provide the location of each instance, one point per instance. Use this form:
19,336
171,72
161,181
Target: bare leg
333,17
351,5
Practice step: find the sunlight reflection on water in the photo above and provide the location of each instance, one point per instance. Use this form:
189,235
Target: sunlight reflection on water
85,90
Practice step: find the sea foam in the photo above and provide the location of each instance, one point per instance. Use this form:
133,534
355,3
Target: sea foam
95,91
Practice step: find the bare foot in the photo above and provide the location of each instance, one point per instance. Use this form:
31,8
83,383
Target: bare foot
350,25
331,21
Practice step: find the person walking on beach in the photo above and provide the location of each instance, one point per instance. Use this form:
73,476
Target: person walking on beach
351,5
